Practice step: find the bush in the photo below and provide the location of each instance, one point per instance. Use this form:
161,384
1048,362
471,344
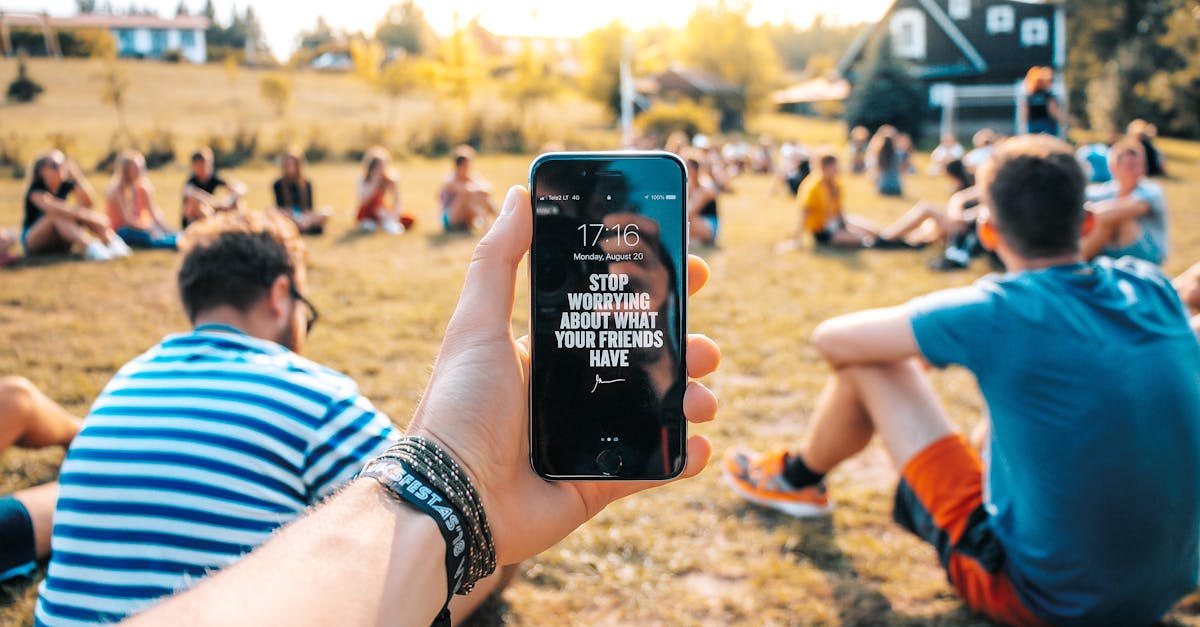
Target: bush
229,152
12,154
159,147
174,55
317,149
664,118
23,88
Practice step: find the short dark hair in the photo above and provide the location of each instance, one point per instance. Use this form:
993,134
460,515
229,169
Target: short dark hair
1035,190
233,258
204,153
462,154
825,158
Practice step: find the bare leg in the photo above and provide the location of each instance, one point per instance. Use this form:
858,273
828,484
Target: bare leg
701,231
1106,232
31,419
921,214
53,234
861,226
461,607
195,211
105,234
39,501
848,239
1188,286
894,400
460,211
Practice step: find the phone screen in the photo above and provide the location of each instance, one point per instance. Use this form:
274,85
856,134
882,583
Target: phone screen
609,288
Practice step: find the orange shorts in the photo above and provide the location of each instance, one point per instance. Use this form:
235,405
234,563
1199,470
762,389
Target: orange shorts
940,499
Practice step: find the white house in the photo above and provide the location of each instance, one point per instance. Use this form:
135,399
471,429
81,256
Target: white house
141,36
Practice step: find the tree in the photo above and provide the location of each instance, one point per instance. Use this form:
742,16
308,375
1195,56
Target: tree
114,88
1117,48
532,79
181,9
85,6
1177,92
719,39
797,46
460,64
600,53
321,35
885,93
276,89
404,26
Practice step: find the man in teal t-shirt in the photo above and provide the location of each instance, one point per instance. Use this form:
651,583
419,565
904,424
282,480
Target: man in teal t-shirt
1084,508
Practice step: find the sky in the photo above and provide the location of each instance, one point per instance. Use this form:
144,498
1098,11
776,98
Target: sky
284,19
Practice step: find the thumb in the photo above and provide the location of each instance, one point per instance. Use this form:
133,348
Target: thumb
490,287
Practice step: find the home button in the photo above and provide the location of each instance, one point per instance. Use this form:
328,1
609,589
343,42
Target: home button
609,461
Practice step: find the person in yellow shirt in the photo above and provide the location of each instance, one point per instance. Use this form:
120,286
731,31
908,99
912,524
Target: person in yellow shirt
820,200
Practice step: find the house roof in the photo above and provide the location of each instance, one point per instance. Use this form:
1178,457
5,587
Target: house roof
94,20
681,78
939,17
820,89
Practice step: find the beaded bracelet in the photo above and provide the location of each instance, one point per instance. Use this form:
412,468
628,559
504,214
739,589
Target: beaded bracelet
444,474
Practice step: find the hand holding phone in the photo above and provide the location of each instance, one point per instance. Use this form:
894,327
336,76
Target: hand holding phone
609,298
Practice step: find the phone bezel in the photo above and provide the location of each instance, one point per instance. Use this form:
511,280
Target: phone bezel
683,278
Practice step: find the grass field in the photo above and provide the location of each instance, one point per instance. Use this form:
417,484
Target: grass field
691,553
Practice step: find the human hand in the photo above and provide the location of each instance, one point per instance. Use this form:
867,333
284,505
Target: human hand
476,404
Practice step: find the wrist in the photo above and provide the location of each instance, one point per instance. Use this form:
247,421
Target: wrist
411,539
422,474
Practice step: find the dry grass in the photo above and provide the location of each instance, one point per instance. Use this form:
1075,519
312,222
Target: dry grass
195,102
687,554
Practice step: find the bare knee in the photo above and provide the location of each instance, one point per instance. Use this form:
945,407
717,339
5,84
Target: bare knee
18,396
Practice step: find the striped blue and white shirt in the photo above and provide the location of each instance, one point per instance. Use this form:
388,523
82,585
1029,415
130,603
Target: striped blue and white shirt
192,456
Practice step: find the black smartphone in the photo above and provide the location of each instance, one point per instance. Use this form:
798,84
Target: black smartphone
608,281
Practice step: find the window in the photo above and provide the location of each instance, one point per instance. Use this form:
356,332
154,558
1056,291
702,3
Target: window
125,43
1000,19
1035,31
187,38
960,9
908,34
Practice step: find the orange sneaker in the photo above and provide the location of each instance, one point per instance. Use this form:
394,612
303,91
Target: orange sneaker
759,479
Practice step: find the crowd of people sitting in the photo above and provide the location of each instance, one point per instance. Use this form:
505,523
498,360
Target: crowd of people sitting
60,212
247,436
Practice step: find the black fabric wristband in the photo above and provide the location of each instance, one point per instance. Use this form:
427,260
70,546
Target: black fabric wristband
408,486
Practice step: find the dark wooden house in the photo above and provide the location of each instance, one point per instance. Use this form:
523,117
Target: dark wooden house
971,56
678,82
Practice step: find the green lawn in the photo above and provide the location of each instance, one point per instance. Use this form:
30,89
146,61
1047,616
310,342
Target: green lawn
691,553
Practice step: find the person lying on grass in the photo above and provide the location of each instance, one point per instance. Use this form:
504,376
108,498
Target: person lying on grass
370,554
1082,508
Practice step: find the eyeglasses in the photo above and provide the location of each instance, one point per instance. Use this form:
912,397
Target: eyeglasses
312,317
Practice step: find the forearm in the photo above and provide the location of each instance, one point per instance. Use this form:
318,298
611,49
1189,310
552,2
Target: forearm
1124,208
874,336
361,559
